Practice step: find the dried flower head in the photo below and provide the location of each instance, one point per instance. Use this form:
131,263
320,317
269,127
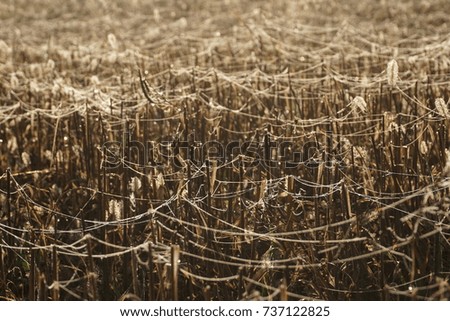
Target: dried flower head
441,108
423,147
115,209
358,106
392,72
112,41
135,184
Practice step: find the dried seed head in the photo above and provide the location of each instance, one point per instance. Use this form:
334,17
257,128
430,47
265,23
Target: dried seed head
392,72
423,147
441,108
112,41
115,209
12,145
135,184
26,159
159,182
358,106
94,80
51,64
34,87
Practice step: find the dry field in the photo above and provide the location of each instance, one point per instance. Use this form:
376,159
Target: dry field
224,150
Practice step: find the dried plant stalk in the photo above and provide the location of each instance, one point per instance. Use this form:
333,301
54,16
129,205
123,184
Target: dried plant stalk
174,260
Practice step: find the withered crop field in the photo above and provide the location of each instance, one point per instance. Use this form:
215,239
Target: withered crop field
224,150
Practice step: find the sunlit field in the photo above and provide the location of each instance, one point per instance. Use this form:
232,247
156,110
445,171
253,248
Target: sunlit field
224,150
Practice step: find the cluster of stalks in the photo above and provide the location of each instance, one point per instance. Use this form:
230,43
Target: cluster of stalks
244,168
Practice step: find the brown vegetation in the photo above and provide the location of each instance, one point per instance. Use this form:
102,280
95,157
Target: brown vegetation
111,187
